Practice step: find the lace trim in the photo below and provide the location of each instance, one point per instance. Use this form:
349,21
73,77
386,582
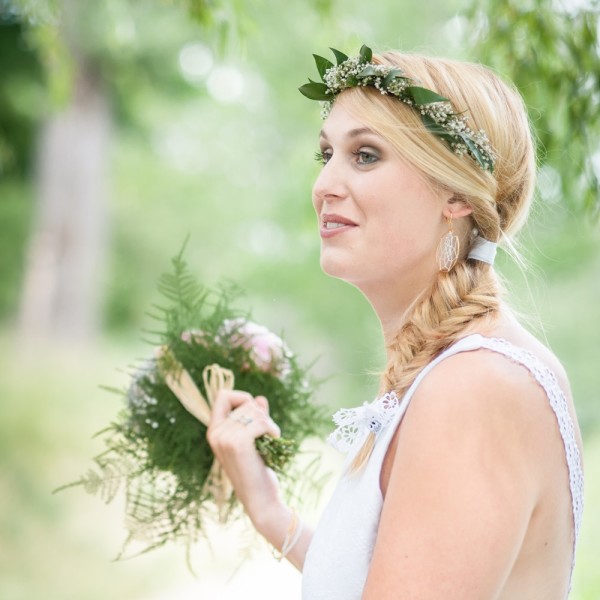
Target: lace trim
356,423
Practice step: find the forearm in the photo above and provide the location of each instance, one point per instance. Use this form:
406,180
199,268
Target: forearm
277,526
256,486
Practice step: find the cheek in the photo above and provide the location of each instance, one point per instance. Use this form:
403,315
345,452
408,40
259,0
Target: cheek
406,225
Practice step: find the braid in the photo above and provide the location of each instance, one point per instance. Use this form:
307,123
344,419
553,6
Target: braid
455,305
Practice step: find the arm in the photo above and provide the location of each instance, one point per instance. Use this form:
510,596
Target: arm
463,484
232,438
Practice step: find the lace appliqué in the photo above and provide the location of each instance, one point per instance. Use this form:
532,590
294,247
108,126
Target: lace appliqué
356,423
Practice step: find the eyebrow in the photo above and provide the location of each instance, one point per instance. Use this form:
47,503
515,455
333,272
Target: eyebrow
352,133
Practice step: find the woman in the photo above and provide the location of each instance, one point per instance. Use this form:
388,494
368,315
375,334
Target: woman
463,479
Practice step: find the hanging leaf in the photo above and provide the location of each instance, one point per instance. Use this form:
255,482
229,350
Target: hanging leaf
555,67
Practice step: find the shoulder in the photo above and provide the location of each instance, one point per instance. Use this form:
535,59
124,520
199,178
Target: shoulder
479,383
501,380
483,411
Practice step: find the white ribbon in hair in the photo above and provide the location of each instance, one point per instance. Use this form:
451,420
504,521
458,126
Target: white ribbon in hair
483,250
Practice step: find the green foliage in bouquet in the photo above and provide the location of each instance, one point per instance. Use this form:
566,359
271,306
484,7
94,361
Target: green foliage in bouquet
157,451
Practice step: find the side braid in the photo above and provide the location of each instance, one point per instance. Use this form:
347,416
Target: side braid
455,305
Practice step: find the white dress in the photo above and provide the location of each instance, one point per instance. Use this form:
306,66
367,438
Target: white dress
338,558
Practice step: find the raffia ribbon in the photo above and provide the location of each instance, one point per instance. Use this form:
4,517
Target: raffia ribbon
215,378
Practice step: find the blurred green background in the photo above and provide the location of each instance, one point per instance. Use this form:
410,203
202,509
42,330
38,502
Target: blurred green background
127,126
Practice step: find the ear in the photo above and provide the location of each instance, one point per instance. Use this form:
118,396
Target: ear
456,207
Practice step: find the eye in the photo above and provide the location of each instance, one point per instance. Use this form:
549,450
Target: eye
365,157
323,156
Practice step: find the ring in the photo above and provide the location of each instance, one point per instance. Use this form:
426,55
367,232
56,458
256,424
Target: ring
243,419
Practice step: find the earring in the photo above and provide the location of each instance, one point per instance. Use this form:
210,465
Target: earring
448,248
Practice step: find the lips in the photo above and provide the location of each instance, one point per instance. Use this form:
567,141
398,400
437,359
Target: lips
334,224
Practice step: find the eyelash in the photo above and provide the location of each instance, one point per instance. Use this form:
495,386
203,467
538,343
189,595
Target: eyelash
320,157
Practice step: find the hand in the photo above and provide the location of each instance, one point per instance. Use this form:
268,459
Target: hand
237,420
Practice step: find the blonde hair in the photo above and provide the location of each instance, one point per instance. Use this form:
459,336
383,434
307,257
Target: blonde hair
458,300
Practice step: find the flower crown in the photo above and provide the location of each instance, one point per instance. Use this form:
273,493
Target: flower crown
437,113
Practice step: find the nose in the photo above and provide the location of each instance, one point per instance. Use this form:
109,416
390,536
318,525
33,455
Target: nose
329,186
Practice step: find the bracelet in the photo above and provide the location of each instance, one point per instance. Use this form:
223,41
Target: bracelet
292,536
286,550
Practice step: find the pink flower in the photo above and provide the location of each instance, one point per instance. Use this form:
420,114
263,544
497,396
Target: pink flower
267,350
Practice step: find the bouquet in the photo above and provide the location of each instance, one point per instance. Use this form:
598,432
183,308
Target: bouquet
157,450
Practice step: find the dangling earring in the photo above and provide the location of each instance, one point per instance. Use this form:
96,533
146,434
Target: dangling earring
448,248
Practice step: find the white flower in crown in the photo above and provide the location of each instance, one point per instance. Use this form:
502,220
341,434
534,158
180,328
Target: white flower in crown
356,423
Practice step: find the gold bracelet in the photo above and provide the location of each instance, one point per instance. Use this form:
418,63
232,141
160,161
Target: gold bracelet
291,537
285,551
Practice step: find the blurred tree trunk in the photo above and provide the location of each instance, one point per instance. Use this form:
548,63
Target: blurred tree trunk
61,292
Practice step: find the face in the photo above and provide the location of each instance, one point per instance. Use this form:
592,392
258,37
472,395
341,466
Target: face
379,220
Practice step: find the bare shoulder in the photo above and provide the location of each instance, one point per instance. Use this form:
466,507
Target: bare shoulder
482,403
478,384
483,380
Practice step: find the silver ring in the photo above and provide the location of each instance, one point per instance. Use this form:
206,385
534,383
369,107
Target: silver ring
243,419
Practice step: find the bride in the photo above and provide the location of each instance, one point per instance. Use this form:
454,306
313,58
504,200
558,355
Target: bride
463,478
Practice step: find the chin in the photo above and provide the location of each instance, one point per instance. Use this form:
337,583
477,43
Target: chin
339,269
329,265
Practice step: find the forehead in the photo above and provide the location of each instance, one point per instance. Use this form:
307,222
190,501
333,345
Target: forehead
342,123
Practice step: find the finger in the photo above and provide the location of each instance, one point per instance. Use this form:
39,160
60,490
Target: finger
226,401
275,431
262,402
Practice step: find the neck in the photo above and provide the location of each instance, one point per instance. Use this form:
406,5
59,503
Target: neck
393,305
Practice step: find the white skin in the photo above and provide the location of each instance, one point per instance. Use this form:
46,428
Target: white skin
476,496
